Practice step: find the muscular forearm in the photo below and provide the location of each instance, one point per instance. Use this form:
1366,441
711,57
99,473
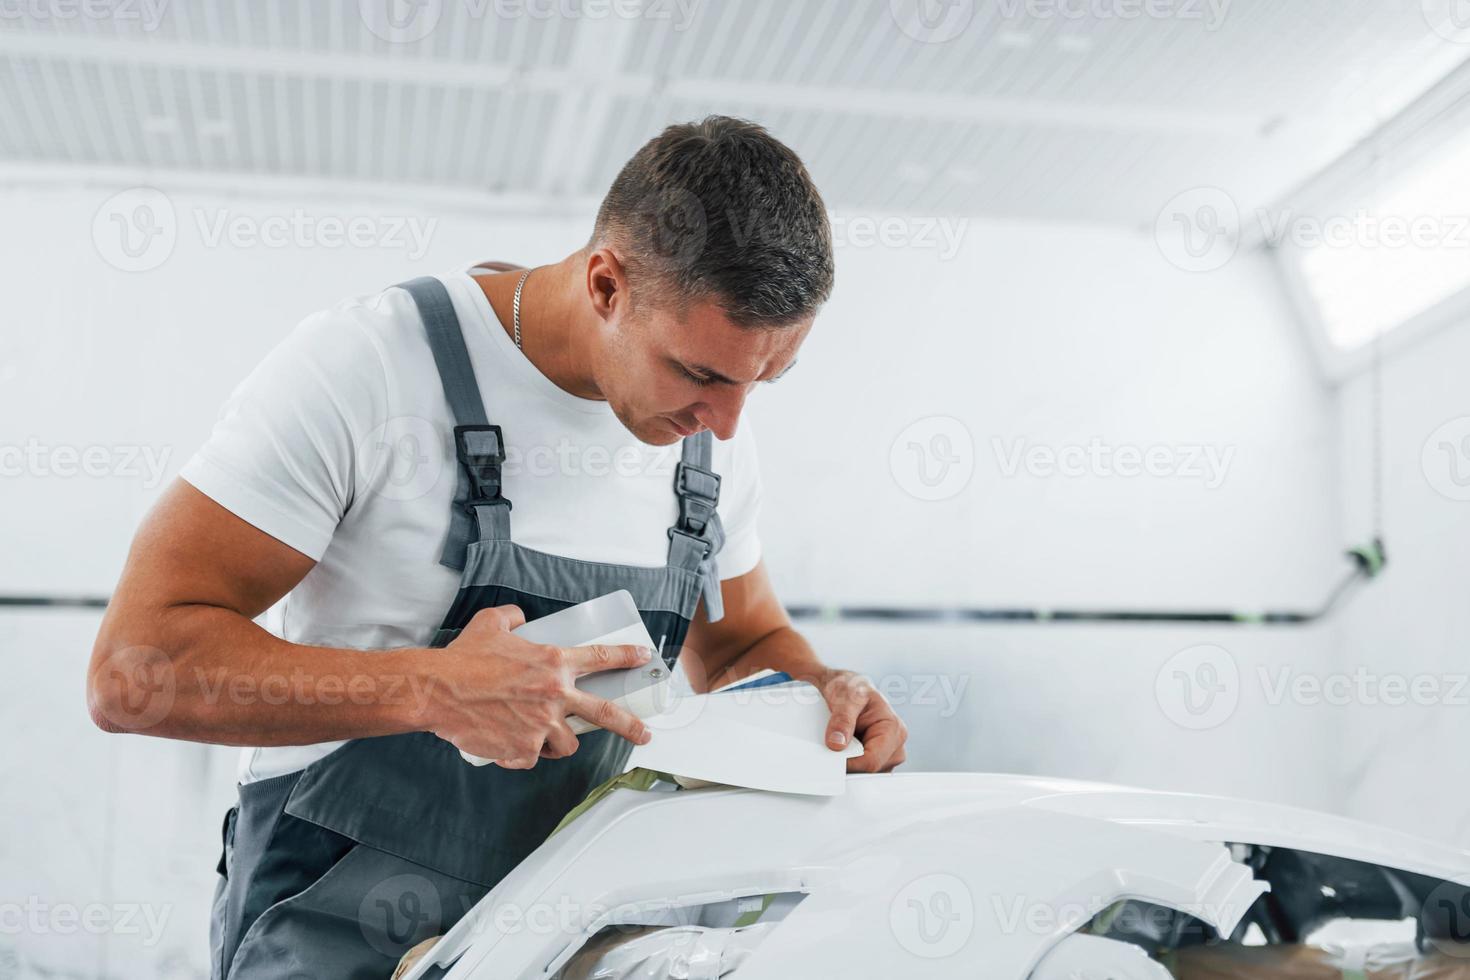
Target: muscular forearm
782,649
208,674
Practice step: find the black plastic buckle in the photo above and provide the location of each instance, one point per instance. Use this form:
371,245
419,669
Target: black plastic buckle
698,539
697,499
481,451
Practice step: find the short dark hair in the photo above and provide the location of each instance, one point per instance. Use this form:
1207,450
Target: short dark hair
720,209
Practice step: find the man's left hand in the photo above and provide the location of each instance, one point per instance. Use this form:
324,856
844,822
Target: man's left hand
859,710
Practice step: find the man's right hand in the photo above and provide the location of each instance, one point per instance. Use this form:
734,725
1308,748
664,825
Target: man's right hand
179,639
498,696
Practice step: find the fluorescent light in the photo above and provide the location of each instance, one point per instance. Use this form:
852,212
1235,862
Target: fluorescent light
1371,268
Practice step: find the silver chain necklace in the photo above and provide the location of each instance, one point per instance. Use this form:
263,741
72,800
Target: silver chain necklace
516,308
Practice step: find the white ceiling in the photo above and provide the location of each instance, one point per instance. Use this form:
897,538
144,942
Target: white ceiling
1027,112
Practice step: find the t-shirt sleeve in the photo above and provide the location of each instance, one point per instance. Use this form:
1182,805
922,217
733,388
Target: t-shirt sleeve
282,455
740,504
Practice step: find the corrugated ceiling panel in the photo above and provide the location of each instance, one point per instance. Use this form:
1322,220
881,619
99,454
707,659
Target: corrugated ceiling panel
1073,117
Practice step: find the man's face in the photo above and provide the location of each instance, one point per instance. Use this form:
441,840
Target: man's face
673,372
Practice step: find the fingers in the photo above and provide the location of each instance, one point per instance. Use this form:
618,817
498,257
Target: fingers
882,747
602,656
605,714
846,696
560,742
504,618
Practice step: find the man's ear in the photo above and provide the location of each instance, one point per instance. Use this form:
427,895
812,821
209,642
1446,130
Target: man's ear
607,283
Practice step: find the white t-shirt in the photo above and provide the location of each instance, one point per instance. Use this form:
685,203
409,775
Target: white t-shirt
340,445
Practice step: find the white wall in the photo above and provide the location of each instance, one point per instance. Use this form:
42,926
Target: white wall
1403,760
1054,335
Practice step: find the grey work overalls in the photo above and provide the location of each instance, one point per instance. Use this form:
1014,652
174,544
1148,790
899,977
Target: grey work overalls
333,872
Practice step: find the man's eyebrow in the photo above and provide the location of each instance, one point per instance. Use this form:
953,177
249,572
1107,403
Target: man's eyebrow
784,371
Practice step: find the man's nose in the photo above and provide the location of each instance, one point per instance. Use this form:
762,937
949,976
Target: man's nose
720,413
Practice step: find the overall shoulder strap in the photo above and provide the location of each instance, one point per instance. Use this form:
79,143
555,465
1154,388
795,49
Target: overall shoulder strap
480,511
697,536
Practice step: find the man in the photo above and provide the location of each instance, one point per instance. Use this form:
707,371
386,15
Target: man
485,443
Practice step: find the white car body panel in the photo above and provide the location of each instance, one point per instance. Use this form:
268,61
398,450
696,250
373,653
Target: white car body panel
913,875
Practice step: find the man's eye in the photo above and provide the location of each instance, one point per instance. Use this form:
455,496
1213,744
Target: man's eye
697,380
